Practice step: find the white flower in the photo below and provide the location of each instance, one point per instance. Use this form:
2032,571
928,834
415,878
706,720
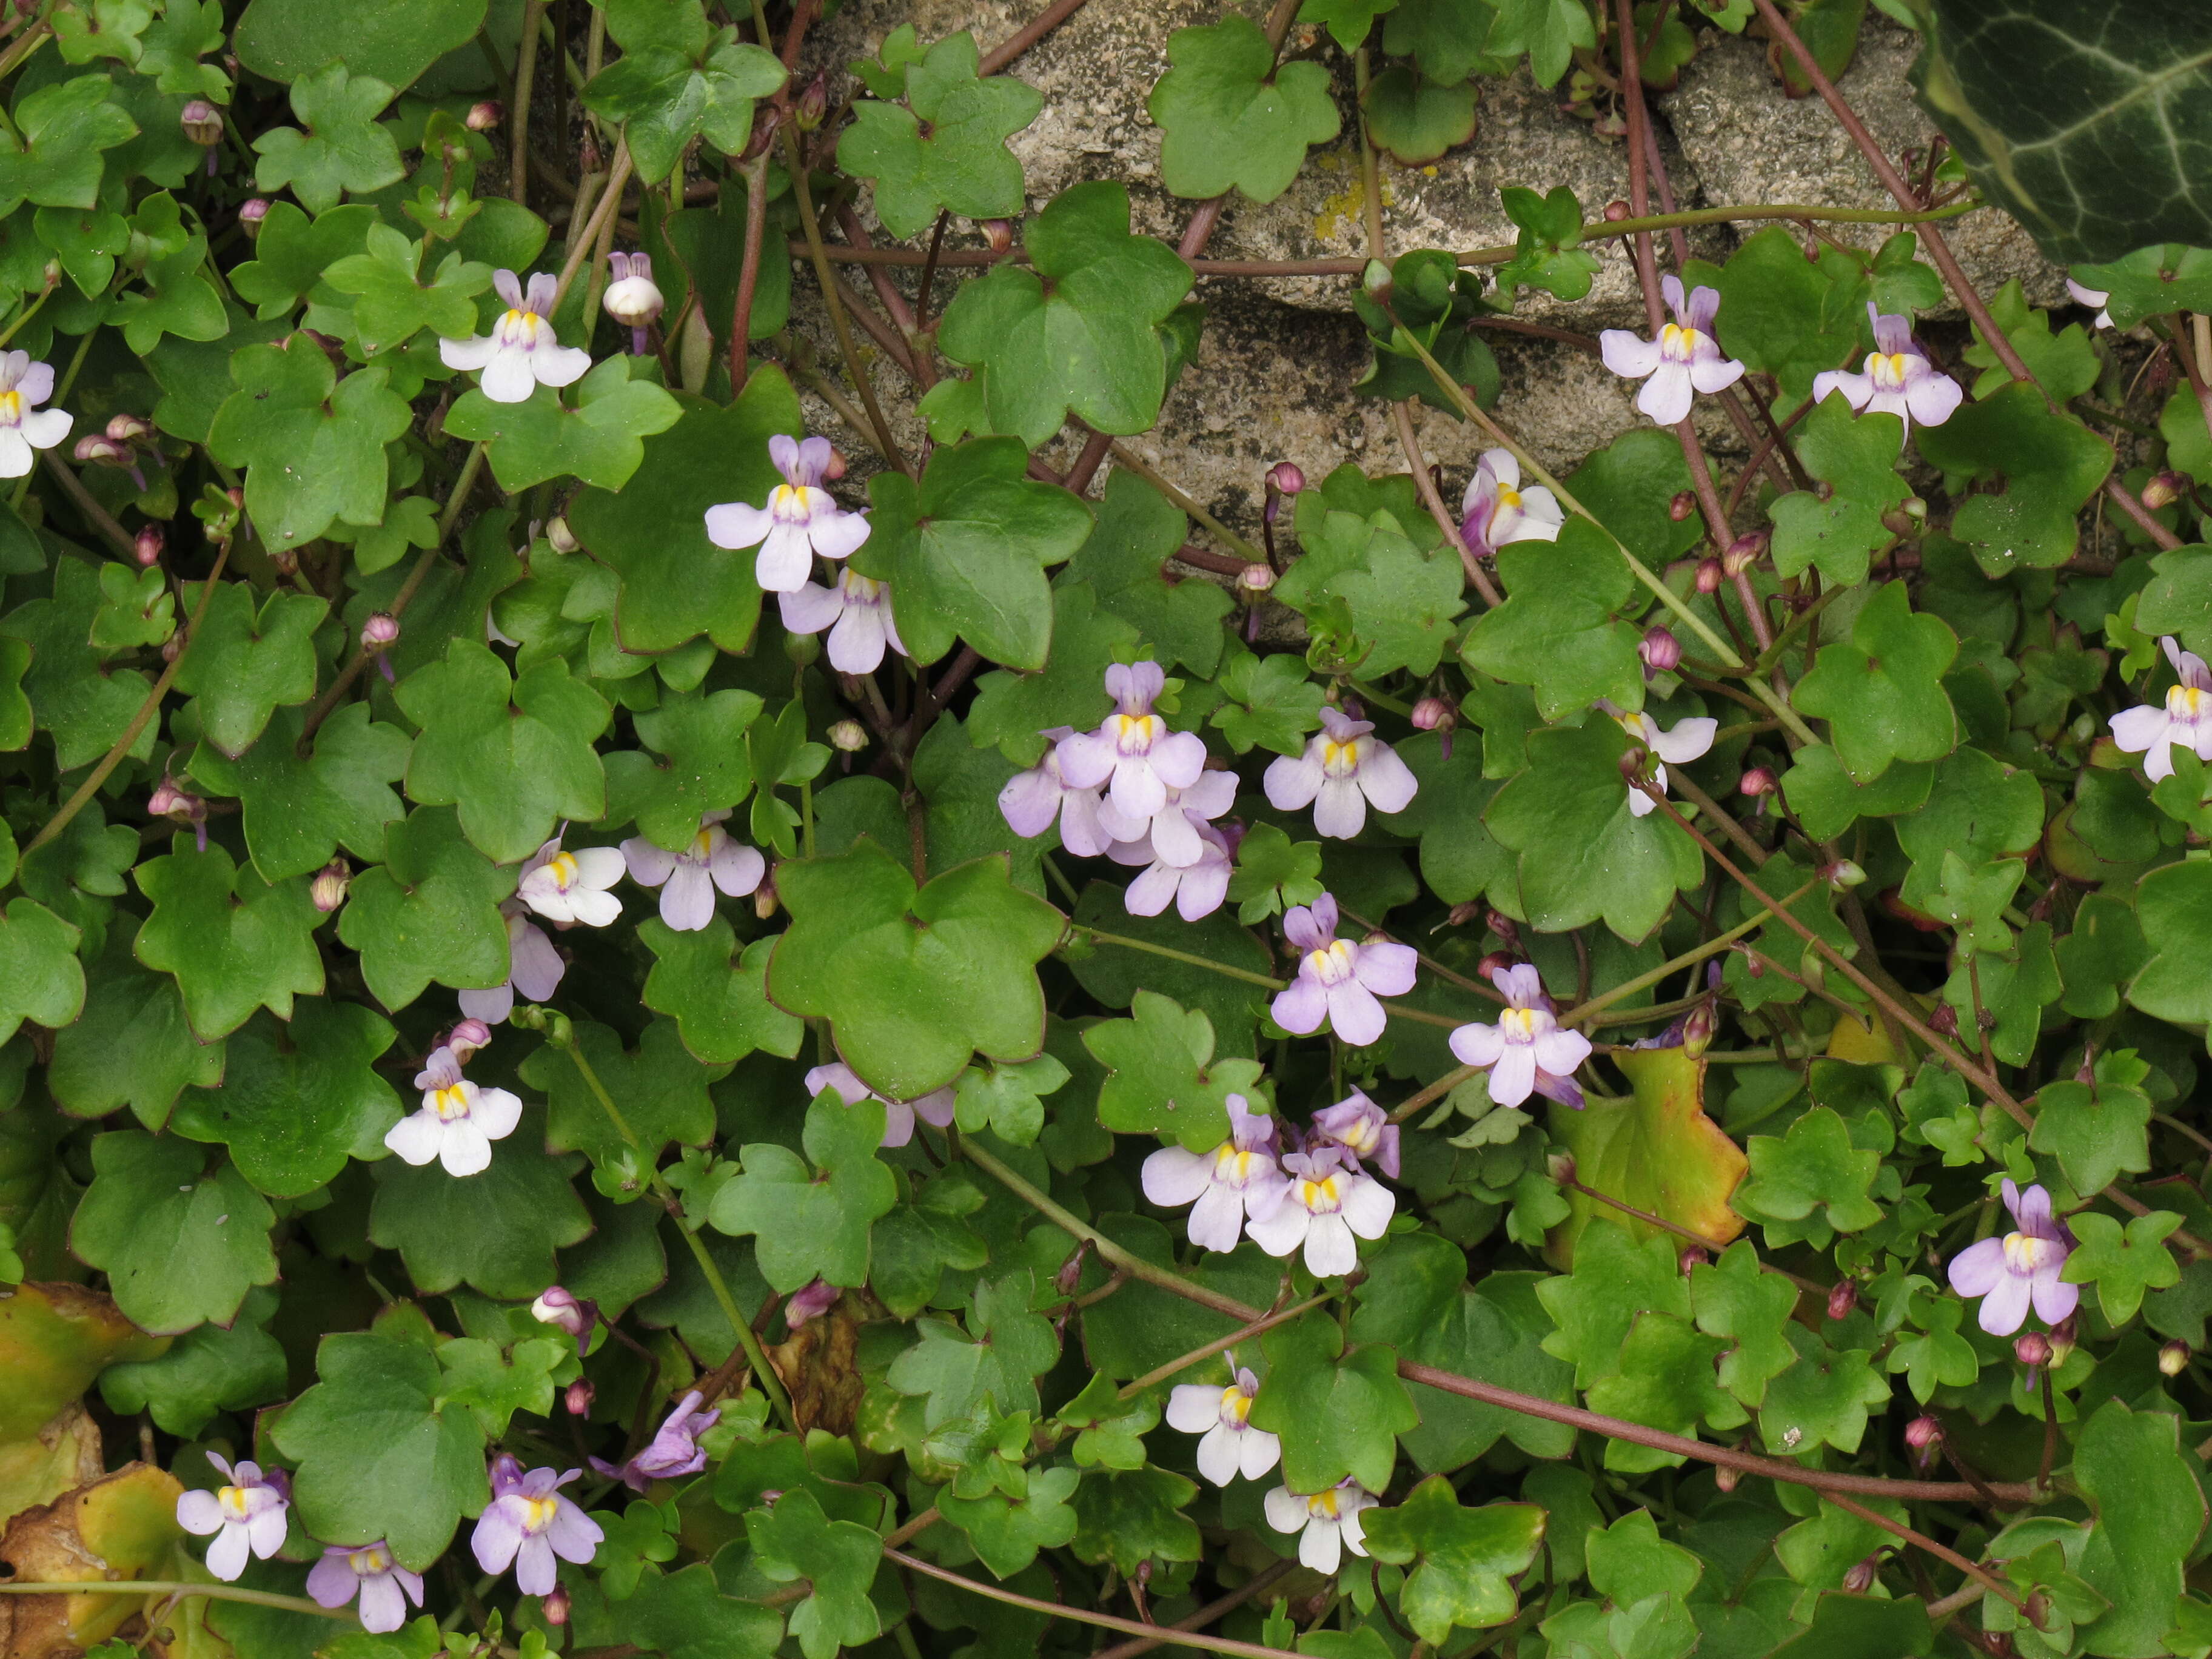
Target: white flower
1345,768
24,427
2185,717
1526,1051
567,888
1339,979
457,1121
1327,1523
1681,744
1325,1203
522,352
1196,888
246,1512
688,879
1496,511
1134,754
934,1107
1227,1445
1684,358
534,968
800,519
385,1587
1898,378
1033,798
857,611
2095,299
1237,1178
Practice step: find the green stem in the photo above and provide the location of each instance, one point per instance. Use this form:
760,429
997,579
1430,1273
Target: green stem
580,245
1185,956
1668,969
178,1587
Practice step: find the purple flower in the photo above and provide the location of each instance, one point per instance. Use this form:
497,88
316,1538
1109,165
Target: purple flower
934,1107
2186,718
674,1451
528,1523
385,1587
24,427
1343,769
1684,358
1133,754
1228,1443
1338,980
1362,1129
534,968
1328,1199
799,520
1236,1179
1327,1522
248,1511
522,352
688,879
1681,744
1033,798
811,1301
456,1122
857,611
1196,888
1496,511
1526,1051
2008,1273
567,888
1897,378
559,1306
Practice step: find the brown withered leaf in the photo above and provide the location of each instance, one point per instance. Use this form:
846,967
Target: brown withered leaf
116,1528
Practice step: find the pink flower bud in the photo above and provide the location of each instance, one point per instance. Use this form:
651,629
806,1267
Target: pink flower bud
1561,1167
578,1397
165,799
1842,875
1943,1020
555,1607
998,235
2031,1350
1661,651
1726,1477
1744,552
1496,961
469,1036
764,899
1431,714
1698,1029
2161,489
201,122
1256,579
812,104
148,546
563,539
2173,1358
1635,761
1616,210
128,428
1682,507
484,116
98,446
811,1301
380,630
835,469
1709,575
250,213
328,890
1922,1432
632,299
1842,1298
1286,479
559,1306
848,737
1860,1579
1756,782
1464,912
1693,1256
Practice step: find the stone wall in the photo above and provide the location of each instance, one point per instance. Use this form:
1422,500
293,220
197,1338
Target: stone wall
1279,355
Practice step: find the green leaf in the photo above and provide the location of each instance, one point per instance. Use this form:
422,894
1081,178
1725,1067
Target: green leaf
1827,802
717,995
660,1089
2099,1128
233,942
1544,254
1735,1299
1841,529
131,1045
1162,1076
837,1558
1137,531
1559,629
429,912
1338,1412
1232,117
600,441
960,164
2175,906
208,1369
1268,702
1628,1561
1011,712
496,1230
1813,1167
379,1456
81,704
313,446
40,979
1656,1152
706,766
2050,464
1007,1536
495,1385
997,1358
1823,1399
181,1244
2064,364
1881,690
241,663
1078,330
1666,1382
1008,1100
393,305
1126,1517
1547,30
912,981
1787,316
1630,487
812,1222
513,771
1464,1560
296,1101
2163,277
2149,1511
1979,809
395,40
685,1615
343,148
2122,1262
665,96
293,251
298,812
65,127
1413,118
1350,20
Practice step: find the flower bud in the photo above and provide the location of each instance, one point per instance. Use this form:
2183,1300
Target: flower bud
2173,1358
1431,712
1842,1298
1635,761
1505,928
1860,1579
1682,507
1744,552
380,631
1616,210
1755,782
578,1396
1465,911
998,235
1693,1256
1496,961
558,533
1943,1020
848,737
98,446
150,541
1560,1166
1286,479
1698,1029
2062,1338
250,213
201,122
1922,1432
1661,651
809,1301
1070,1275
483,117
328,890
764,899
165,799
632,299
467,1038
1842,875
1256,579
1726,1477
128,428
555,1606
2162,489
558,1305
802,648
2031,1350
1709,575
811,105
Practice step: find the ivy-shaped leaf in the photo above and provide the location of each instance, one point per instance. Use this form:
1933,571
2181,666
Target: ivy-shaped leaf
1232,117
343,148
243,661
1881,690
812,1222
181,1243
945,151
601,440
233,941
313,445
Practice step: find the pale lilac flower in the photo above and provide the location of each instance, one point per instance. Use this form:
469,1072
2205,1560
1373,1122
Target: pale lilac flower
633,298
2022,1267
1681,744
1496,510
534,968
24,427
1362,1129
1228,1443
528,1523
1896,379
1172,834
1196,888
385,1587
1338,979
1134,754
1685,359
1526,1051
2095,299
2185,717
1327,1523
246,1512
857,611
1344,769
1328,1199
522,352
934,1107
1238,1179
567,888
688,879
559,1306
811,1301
1033,798
456,1122
800,519
674,1451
